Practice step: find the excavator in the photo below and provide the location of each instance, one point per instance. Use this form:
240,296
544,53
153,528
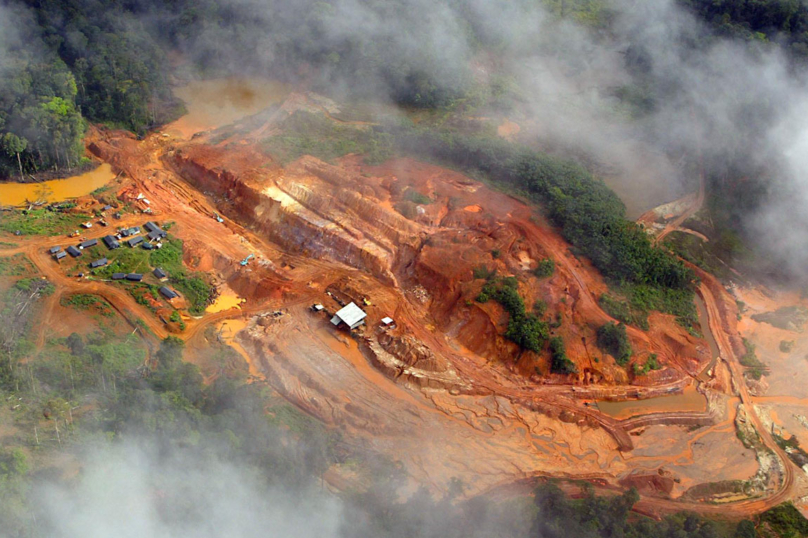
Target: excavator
246,260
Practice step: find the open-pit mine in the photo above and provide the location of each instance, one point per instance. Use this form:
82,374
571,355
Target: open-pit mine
427,378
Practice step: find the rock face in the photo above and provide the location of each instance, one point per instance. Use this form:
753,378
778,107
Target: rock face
413,353
313,208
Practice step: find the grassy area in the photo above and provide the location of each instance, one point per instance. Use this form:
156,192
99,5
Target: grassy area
193,286
631,304
41,222
17,265
87,302
305,133
121,260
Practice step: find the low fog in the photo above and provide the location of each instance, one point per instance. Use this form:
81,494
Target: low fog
134,490
737,107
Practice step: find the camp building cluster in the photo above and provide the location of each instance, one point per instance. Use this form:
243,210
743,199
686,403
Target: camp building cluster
133,237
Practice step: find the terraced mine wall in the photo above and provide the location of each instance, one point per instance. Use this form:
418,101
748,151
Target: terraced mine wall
315,222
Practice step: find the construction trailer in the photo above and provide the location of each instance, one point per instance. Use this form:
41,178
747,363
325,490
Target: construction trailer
351,315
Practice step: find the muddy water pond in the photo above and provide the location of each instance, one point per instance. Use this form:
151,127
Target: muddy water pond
56,190
217,102
689,401
226,300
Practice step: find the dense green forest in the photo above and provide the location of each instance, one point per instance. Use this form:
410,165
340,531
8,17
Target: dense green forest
780,21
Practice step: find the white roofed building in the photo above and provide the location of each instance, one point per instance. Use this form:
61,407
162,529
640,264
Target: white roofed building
351,315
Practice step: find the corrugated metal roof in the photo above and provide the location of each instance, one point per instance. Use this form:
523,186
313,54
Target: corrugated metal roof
168,293
350,314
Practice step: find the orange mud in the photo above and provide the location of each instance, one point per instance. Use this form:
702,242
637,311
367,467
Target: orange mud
226,300
55,190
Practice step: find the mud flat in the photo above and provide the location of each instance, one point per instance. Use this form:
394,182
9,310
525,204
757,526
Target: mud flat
56,190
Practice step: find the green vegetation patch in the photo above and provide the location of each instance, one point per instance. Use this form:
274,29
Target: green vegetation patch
545,268
651,364
621,311
526,330
193,286
306,133
411,195
41,222
786,521
635,301
754,367
84,363
83,301
121,260
706,255
612,339
18,310
16,265
560,363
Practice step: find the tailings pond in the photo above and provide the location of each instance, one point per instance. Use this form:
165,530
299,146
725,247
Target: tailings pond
55,190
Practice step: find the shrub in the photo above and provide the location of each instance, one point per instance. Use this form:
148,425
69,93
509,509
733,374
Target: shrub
545,269
786,346
539,307
612,339
560,363
416,197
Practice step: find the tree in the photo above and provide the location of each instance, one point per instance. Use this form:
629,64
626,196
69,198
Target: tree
613,339
14,145
745,529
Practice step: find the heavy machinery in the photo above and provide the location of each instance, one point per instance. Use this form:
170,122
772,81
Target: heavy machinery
246,260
